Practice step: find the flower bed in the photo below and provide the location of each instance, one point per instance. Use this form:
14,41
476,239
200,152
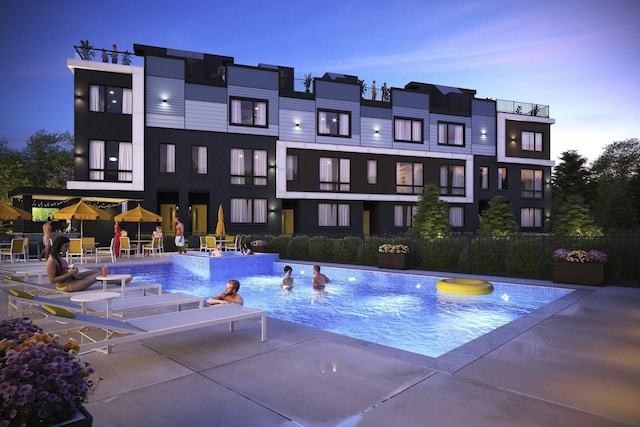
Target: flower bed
579,267
42,380
393,256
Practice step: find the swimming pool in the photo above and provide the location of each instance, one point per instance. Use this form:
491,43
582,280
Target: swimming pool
398,310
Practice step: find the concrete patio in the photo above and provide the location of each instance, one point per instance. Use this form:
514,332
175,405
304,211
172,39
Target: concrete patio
574,362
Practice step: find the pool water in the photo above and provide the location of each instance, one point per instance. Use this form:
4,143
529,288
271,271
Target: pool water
398,310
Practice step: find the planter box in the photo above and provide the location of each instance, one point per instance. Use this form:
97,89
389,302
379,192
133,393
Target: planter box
578,273
82,419
258,249
395,261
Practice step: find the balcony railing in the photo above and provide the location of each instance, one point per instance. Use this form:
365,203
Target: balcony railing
524,108
106,55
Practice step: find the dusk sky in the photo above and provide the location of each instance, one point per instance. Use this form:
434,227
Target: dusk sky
579,57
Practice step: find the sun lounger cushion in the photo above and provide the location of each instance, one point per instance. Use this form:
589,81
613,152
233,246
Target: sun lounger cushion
58,311
14,278
21,294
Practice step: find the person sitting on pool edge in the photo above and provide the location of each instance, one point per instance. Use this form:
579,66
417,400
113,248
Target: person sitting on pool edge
287,280
319,280
64,276
229,296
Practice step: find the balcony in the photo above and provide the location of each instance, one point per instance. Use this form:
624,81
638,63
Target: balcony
523,108
90,53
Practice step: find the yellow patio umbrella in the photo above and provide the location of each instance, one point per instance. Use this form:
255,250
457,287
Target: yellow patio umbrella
220,231
11,213
139,215
81,211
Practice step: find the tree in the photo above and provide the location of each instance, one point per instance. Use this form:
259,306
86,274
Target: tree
574,219
13,170
570,177
617,202
432,215
49,159
498,219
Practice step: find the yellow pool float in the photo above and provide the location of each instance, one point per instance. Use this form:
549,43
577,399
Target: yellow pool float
464,286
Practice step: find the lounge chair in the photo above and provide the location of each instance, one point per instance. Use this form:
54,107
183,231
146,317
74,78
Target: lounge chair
19,301
15,251
123,331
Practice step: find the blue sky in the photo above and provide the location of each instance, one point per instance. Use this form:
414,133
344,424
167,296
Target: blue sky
580,57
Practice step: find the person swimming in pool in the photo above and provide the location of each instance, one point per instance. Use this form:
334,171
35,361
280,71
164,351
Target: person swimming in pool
229,296
319,280
287,281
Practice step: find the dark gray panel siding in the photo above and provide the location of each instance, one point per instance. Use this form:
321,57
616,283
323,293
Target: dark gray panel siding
252,78
403,98
206,93
164,67
339,91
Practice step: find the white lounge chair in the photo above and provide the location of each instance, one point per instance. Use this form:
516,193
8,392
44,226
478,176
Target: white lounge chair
123,331
21,301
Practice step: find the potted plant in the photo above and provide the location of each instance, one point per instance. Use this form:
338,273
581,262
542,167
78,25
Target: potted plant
126,58
307,82
258,245
42,380
393,256
579,267
86,50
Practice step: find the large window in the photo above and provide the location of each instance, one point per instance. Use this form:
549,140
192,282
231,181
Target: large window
248,211
450,134
110,161
409,178
334,215
408,130
334,123
167,158
452,180
292,167
530,217
403,215
372,171
531,141
483,177
335,174
531,183
105,99
248,167
502,179
456,216
199,160
248,112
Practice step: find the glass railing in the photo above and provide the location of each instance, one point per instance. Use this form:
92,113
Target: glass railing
524,108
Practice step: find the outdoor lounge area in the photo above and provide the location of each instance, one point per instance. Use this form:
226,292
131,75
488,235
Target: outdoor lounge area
569,364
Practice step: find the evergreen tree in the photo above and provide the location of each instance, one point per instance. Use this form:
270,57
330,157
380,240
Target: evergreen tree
49,158
498,219
574,219
570,177
432,215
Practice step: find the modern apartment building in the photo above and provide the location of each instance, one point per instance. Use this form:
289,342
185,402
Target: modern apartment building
193,131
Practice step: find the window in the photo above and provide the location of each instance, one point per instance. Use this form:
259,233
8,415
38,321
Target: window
199,160
334,123
450,134
502,179
530,217
531,183
408,130
403,215
335,174
483,179
105,99
531,141
409,178
167,158
110,161
372,171
248,112
452,180
248,211
456,216
248,167
334,215
292,168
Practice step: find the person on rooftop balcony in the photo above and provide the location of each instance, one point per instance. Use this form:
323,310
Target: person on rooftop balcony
114,54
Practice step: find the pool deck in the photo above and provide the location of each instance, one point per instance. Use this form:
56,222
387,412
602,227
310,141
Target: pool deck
575,362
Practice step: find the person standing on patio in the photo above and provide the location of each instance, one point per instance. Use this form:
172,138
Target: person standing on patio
229,296
180,236
116,238
64,276
46,240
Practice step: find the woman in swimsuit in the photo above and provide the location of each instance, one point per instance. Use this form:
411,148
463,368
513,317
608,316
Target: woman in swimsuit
65,278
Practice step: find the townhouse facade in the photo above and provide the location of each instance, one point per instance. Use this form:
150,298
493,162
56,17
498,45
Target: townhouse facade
194,131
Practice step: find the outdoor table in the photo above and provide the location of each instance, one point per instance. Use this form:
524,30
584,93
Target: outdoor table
140,243
111,277
86,297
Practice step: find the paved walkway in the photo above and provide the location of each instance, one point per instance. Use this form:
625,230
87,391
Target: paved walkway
574,362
